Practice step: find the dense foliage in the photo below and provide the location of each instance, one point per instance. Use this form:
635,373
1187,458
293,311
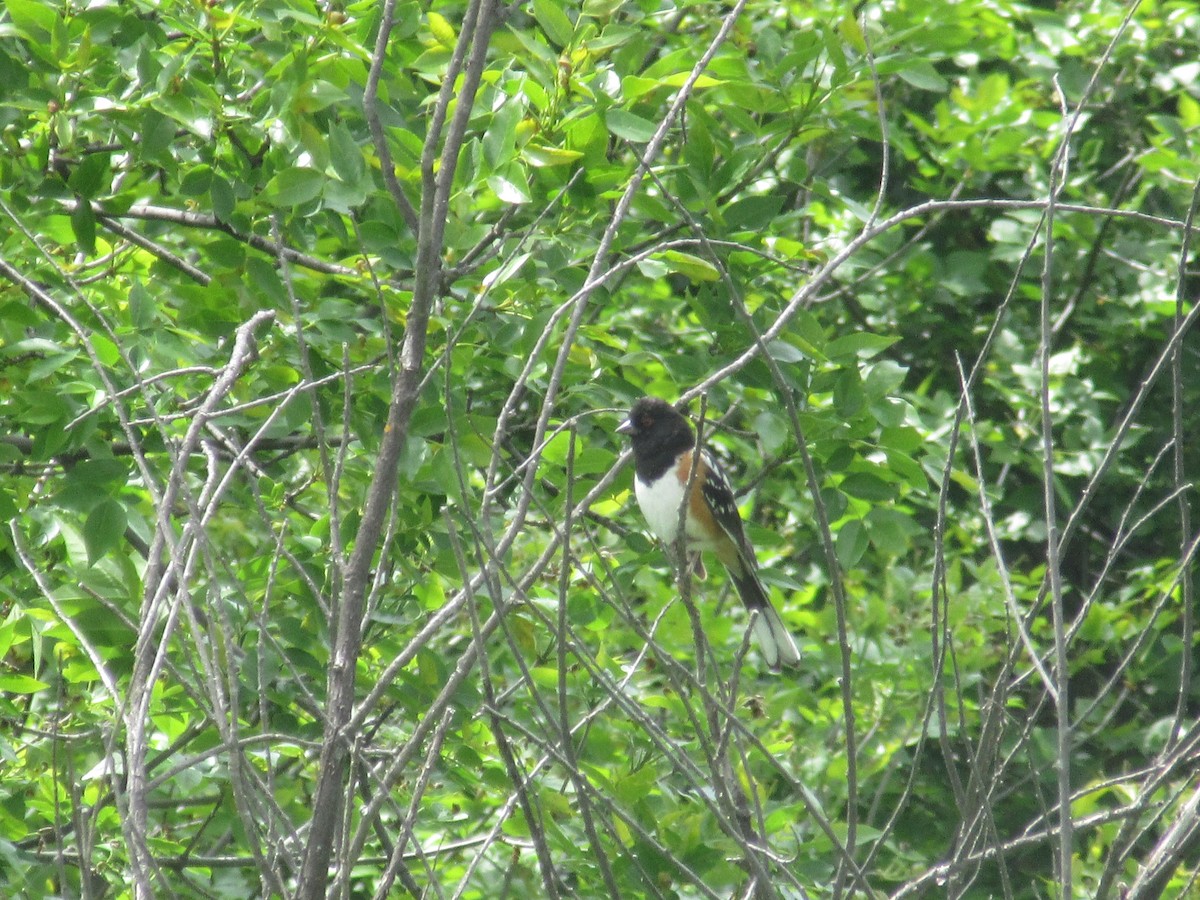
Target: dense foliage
320,573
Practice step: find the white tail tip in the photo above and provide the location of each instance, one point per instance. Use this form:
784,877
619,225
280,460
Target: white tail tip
775,642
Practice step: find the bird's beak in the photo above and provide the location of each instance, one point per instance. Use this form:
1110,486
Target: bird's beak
626,427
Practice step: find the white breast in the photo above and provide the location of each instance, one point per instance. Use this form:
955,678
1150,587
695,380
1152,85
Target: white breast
660,504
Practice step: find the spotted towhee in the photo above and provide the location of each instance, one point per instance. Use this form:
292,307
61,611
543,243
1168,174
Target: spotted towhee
663,444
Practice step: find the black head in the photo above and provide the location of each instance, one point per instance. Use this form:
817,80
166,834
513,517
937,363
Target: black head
656,429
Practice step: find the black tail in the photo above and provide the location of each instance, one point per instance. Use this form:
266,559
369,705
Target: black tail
774,640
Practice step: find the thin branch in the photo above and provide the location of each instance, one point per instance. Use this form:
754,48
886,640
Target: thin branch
347,634
208,222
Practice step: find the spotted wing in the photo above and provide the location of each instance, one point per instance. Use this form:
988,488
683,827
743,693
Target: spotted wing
720,499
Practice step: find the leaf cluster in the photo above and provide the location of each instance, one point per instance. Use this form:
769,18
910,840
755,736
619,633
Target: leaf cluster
924,268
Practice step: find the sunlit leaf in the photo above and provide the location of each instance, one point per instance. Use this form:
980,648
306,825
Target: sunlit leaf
34,19
694,267
541,156
508,190
550,15
629,126
443,32
859,344
20,684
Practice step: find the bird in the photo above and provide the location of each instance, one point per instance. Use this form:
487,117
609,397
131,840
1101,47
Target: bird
663,444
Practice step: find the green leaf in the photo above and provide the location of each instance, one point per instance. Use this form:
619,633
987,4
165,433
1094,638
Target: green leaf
196,181
772,430
45,408
265,278
587,133
294,187
753,212
634,87
695,268
35,19
141,305
552,19
702,81
499,142
905,467
848,394
851,32
8,505
91,177
601,9
506,271
50,363
653,268
220,192
104,529
904,439
99,472
345,154
542,157
866,486
83,224
851,543
808,334
509,191
922,75
106,351
442,31
13,683
782,351
860,343
158,132
890,530
8,628
628,126
883,378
